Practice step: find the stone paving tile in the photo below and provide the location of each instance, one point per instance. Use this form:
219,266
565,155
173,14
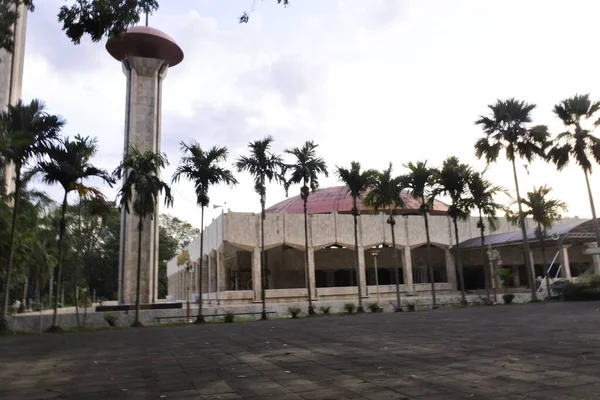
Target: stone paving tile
547,351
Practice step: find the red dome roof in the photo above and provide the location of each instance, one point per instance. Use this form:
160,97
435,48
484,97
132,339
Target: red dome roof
337,198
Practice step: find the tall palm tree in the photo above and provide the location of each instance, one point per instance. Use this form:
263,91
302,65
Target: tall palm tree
481,197
544,211
452,180
202,167
420,181
577,142
305,171
25,129
265,166
69,165
139,192
357,182
506,129
385,195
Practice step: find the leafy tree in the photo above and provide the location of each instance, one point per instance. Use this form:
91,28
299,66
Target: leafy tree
97,18
420,181
357,183
182,232
203,169
139,193
577,142
305,171
385,195
69,166
507,129
544,211
452,180
25,129
481,197
263,165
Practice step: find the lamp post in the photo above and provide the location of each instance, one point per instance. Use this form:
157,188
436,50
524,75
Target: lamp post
375,253
189,267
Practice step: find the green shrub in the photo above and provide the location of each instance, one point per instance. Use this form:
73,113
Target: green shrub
229,317
111,319
411,307
325,309
583,291
505,275
508,298
294,311
349,307
375,307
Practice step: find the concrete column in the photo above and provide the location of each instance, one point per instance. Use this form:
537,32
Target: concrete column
142,129
450,269
566,266
311,272
407,270
595,258
516,276
11,80
362,271
218,273
256,274
209,276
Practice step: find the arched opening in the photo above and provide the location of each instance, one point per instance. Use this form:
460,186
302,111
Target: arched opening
382,260
419,259
237,267
335,266
285,268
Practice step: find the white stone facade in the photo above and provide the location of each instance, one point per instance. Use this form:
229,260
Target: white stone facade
232,243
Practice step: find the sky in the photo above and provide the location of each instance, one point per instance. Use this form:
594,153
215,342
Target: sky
375,81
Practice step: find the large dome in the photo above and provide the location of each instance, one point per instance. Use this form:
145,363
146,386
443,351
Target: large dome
337,198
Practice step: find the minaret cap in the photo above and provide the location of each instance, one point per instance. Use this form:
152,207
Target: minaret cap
143,41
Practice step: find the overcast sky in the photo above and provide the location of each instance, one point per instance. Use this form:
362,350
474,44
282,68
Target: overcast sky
373,81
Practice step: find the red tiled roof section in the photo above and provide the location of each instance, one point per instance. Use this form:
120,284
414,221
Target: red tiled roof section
337,198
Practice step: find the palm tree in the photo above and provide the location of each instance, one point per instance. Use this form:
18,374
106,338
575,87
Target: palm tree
544,211
385,195
481,198
25,129
140,190
357,182
265,166
506,129
305,171
452,181
577,142
420,181
202,168
69,165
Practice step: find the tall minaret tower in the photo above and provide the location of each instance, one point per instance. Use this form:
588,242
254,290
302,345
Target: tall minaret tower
11,79
146,55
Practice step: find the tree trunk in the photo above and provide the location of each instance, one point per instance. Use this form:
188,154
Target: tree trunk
544,261
311,309
360,308
200,316
76,267
484,260
525,239
136,321
429,261
61,237
4,324
263,266
396,263
594,218
461,276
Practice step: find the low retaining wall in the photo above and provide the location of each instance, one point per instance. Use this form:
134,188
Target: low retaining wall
34,322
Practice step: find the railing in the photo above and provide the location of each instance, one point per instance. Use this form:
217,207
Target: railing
543,285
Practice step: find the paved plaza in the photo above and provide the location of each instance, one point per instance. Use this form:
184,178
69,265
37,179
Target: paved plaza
540,351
